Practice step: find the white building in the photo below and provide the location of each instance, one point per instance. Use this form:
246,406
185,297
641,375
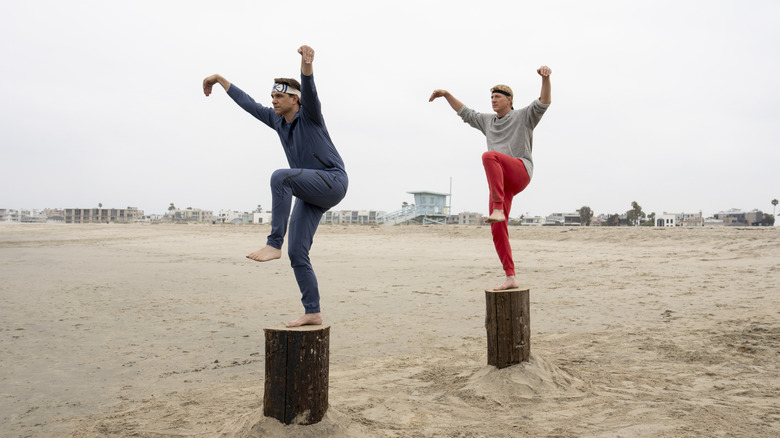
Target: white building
679,220
191,215
261,218
563,219
533,221
22,215
350,216
227,216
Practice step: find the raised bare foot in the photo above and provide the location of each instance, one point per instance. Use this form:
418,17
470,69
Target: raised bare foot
510,283
496,216
265,254
307,319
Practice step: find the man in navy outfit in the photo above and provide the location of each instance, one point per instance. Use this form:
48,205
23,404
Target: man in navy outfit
316,177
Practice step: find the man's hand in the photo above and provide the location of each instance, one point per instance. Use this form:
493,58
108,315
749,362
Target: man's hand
436,94
454,103
307,54
209,82
307,58
544,71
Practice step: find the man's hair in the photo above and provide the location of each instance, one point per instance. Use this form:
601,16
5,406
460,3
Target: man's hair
506,91
290,83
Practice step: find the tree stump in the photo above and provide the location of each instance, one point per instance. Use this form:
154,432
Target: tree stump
508,325
296,373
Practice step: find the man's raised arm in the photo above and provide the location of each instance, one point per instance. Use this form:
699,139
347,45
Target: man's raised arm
546,94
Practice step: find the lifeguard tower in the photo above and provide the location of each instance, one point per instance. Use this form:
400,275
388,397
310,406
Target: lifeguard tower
428,208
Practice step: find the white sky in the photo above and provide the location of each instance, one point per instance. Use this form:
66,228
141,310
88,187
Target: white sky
675,105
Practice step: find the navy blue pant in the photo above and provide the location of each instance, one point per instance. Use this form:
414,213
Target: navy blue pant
316,191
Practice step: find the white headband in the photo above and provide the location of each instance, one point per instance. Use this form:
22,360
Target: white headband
283,88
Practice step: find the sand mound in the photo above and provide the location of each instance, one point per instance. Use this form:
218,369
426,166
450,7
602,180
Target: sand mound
333,424
536,378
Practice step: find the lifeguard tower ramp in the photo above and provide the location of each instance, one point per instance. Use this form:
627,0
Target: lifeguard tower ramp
428,208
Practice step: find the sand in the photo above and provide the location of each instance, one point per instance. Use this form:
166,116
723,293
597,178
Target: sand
157,331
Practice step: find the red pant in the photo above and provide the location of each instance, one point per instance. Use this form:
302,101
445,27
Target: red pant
506,177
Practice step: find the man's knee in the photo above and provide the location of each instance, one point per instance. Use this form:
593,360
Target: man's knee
278,177
489,155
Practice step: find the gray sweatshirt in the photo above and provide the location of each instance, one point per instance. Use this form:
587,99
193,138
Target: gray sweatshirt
512,134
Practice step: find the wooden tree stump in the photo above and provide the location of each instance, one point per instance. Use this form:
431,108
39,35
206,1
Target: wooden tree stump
296,373
508,325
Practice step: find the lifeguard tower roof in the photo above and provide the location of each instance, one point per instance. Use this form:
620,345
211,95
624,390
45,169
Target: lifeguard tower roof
428,193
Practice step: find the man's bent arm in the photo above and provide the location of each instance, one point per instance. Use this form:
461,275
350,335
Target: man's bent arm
454,103
545,96
209,82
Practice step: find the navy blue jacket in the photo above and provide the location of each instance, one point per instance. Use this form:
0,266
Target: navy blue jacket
306,141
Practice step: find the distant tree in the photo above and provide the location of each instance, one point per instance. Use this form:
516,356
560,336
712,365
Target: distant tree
774,207
767,220
100,205
635,215
259,208
613,220
171,208
586,214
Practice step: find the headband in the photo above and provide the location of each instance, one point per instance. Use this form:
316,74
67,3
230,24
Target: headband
501,92
283,88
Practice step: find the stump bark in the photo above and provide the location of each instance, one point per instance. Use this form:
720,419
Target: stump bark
296,373
508,325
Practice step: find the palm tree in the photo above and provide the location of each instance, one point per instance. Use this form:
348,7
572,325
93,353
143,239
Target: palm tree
774,207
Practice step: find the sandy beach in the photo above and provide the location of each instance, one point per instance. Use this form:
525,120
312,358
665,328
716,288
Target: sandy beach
157,331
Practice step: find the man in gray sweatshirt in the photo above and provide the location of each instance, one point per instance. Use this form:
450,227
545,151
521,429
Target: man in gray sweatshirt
508,162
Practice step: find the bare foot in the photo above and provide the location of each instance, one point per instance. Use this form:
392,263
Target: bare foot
307,319
496,216
265,254
510,283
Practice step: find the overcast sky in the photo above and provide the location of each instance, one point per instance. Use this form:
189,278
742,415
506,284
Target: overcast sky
675,105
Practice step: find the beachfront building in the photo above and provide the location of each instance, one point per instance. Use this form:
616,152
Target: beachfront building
679,220
536,221
568,219
666,220
736,217
469,218
101,215
351,216
261,218
22,216
152,217
239,218
228,216
190,215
